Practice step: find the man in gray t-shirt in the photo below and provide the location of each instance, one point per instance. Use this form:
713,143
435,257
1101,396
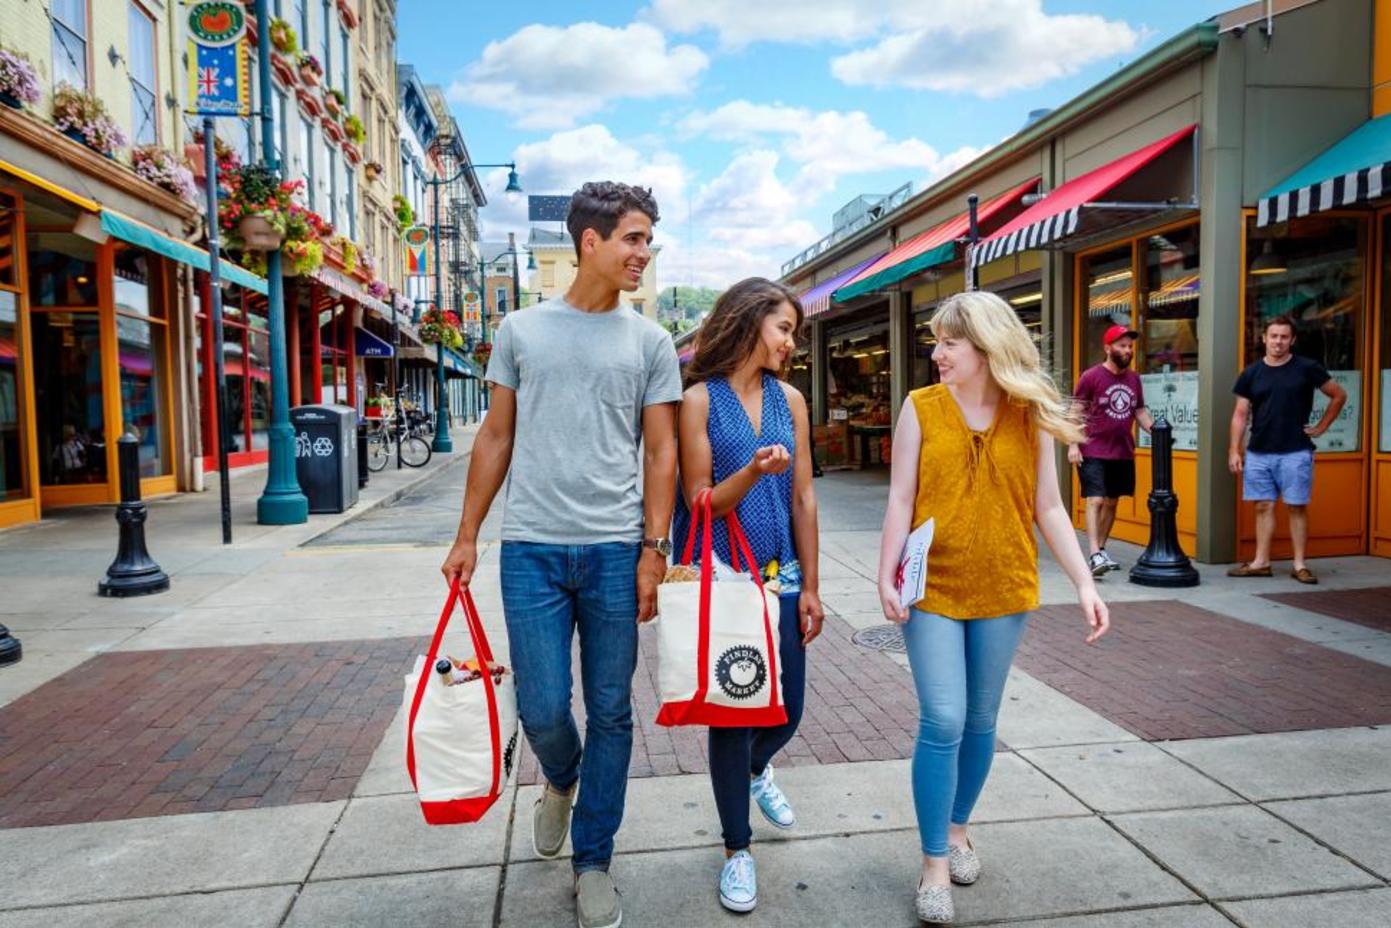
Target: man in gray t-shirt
580,384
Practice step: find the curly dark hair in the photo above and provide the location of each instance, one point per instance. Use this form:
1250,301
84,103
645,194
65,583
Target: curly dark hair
599,205
730,333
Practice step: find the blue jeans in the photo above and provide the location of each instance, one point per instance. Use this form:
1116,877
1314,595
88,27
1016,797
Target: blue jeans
548,591
959,671
736,754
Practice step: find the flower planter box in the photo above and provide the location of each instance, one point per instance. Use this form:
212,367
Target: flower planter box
284,69
332,105
11,100
77,136
309,77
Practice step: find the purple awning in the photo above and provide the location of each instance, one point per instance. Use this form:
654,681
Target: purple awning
818,299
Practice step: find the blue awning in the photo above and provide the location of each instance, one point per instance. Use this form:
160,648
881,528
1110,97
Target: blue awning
464,366
1354,171
370,346
137,233
817,300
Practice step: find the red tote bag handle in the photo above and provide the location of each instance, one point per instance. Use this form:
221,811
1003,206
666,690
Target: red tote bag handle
483,653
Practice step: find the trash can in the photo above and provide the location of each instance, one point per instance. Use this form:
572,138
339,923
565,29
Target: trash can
326,455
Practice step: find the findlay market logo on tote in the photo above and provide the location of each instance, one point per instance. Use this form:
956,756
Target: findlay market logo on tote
219,69
741,672
416,241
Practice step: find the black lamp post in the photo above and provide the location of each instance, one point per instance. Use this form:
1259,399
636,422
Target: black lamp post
442,443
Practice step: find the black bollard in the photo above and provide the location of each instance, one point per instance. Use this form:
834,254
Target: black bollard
10,649
1163,563
134,572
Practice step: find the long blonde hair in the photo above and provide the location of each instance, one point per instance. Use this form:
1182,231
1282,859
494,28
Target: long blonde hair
990,324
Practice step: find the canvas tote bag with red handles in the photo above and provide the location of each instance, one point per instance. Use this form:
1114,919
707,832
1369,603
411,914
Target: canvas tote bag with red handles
461,740
717,641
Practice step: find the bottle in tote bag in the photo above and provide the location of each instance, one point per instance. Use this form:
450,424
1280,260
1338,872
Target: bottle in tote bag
461,738
717,642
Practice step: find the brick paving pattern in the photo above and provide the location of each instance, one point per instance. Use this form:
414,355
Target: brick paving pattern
1369,607
142,733
860,706
1169,670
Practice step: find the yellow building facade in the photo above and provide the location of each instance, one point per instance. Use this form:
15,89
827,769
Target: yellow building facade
556,267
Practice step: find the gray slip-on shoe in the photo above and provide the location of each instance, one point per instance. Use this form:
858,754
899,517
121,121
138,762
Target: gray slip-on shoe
550,821
934,905
596,901
963,864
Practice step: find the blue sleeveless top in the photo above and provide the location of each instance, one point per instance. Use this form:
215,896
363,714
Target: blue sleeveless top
766,511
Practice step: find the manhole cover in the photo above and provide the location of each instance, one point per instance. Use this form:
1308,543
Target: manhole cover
886,637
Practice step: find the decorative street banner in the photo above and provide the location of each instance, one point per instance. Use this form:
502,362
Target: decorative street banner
473,308
218,65
416,241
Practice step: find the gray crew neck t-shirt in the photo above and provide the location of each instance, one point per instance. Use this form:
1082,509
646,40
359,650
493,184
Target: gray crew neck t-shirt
582,380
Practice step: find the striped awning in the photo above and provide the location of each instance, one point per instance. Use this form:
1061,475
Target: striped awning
927,249
1062,212
1355,170
818,299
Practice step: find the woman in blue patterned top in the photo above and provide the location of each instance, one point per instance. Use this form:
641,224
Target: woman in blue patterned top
746,433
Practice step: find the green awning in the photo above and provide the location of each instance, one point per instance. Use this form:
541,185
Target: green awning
137,233
942,254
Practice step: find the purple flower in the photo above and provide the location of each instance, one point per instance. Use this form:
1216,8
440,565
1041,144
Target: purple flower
18,77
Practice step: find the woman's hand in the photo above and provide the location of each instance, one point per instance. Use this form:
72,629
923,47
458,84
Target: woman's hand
888,601
811,615
1098,616
770,459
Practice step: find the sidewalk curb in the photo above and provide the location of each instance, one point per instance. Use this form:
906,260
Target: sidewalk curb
358,512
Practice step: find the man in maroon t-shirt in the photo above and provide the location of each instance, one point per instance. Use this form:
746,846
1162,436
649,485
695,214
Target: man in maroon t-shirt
1113,399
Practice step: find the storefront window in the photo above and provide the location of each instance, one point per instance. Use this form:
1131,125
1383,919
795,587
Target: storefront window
1384,380
858,384
142,406
1167,355
133,283
12,464
258,351
62,271
68,397
924,371
9,259
1108,286
233,354
1312,271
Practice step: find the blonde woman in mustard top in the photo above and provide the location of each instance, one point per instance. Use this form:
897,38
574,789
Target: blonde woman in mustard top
975,454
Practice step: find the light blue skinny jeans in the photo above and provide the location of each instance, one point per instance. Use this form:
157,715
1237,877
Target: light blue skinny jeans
959,671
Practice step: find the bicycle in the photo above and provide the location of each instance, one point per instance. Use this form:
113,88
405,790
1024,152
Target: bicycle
411,450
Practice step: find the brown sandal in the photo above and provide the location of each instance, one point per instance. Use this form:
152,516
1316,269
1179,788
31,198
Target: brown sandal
1304,575
1246,570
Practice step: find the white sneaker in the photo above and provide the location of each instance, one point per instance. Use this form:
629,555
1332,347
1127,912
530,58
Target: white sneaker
1110,561
739,883
1098,565
771,801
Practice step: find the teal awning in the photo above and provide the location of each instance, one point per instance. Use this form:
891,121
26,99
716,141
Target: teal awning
137,233
942,254
464,366
1353,171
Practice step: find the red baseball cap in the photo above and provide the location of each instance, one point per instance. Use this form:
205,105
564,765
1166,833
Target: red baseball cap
1118,331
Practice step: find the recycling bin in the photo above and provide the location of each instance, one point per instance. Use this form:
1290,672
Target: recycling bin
326,455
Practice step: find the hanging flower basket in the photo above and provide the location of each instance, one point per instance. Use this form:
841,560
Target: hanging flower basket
372,170
440,328
482,353
334,102
354,129
405,216
259,233
283,38
310,71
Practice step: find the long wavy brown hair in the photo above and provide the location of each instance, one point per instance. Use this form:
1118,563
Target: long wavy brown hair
730,333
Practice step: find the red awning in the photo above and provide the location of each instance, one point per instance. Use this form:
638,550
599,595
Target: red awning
927,249
1058,214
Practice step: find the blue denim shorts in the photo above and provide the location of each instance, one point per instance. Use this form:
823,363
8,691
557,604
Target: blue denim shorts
1289,477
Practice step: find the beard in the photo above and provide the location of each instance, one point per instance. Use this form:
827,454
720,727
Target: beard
1121,360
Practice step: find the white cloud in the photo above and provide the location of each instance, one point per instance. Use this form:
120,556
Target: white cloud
986,47
828,145
549,77
988,57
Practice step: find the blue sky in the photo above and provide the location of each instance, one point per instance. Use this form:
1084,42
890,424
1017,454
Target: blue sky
754,120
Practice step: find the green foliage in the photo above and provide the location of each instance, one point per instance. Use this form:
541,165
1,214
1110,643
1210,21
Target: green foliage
686,304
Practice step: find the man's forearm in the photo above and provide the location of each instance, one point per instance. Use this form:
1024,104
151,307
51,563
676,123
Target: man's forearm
1238,432
658,490
491,457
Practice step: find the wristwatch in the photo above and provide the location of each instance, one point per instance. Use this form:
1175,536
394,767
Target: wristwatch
661,545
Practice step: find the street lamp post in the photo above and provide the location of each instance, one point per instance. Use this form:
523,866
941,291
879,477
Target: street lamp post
442,443
282,502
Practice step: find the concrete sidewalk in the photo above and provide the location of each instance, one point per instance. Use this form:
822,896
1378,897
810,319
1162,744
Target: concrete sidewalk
1084,823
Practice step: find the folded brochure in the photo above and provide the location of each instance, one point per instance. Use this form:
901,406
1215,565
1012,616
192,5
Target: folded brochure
912,565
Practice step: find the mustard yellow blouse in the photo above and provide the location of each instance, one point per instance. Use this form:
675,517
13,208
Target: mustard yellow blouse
979,487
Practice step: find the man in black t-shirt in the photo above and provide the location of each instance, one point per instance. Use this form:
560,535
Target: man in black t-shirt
1276,395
